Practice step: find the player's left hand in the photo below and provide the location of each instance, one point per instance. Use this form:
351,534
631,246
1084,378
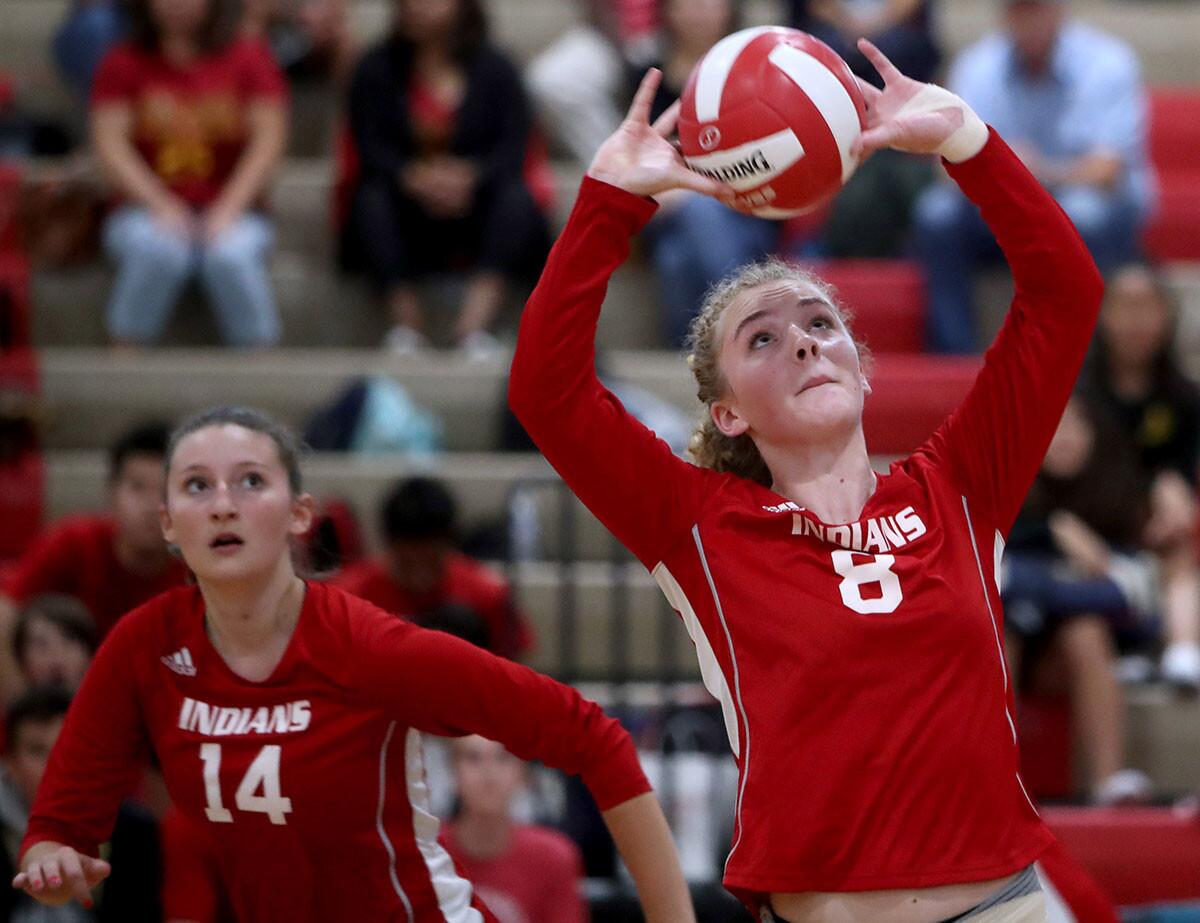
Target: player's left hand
920,118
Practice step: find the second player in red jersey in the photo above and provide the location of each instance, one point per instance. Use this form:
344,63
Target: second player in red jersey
848,621
287,718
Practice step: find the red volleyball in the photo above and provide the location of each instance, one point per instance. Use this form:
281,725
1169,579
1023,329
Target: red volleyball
773,112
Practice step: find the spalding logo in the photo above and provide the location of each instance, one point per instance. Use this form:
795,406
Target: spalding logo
710,137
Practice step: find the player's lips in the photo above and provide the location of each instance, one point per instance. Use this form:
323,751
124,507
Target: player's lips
226,542
815,382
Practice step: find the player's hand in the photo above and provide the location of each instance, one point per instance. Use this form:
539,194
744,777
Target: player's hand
920,118
54,874
638,158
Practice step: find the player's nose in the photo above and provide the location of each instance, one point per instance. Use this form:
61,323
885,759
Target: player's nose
803,346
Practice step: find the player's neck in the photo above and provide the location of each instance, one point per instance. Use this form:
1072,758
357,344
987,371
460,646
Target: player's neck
483,836
833,481
251,623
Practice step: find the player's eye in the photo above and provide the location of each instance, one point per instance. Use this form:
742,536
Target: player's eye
760,339
194,485
823,321
253,480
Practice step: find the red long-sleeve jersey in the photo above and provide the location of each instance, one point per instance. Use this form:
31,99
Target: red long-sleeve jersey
859,666
311,784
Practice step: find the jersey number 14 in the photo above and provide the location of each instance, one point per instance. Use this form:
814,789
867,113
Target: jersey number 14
877,571
263,774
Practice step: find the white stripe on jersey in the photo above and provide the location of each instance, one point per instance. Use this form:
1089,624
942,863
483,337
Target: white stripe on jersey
714,70
826,93
387,843
737,688
453,891
710,668
996,632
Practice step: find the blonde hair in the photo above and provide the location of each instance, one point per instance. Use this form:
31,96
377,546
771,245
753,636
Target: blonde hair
710,448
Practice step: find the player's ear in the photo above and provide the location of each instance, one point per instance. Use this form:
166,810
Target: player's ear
727,419
304,510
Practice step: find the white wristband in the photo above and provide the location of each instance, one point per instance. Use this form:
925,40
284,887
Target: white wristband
968,139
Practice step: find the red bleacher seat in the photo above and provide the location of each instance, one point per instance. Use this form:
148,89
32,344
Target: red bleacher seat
1138,855
1175,128
1174,231
911,395
887,298
14,300
10,190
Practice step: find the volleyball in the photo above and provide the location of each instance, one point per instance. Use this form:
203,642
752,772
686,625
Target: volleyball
773,112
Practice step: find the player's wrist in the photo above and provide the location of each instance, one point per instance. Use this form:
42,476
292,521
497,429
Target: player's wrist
967,139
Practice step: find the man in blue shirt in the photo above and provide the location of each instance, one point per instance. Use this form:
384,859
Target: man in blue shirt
1070,101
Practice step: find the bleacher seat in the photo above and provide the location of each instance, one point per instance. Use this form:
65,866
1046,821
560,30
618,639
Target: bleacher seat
1138,855
887,298
911,395
1174,232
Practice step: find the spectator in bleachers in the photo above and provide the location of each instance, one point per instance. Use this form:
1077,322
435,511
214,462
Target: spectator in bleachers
87,33
54,641
131,893
871,217
1074,579
1070,101
1133,373
579,83
441,126
694,240
524,873
423,577
309,38
901,29
32,724
189,122
113,561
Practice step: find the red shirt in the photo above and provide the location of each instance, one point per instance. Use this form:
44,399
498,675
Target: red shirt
189,123
859,667
78,556
311,784
465,582
536,881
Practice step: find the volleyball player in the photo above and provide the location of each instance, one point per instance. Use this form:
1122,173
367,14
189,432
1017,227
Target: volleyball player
848,621
287,718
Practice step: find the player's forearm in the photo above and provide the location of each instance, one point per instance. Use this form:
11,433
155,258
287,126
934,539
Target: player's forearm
644,841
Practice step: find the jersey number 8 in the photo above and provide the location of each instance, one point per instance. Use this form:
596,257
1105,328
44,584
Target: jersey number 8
263,773
877,570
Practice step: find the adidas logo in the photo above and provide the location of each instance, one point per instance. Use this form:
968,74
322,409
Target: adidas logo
180,662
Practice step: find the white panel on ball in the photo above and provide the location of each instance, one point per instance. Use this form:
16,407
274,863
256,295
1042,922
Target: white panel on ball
752,164
827,94
715,67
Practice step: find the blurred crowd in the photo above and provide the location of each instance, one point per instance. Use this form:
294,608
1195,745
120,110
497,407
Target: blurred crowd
445,151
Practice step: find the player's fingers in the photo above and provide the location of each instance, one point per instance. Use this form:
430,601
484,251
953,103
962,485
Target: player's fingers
20,881
95,870
52,873
665,123
697,182
887,70
74,879
870,93
643,99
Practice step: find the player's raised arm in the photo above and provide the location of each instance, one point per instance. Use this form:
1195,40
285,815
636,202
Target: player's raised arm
442,685
617,467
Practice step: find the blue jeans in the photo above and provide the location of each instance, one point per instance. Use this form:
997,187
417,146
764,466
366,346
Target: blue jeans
695,244
154,265
951,241
82,41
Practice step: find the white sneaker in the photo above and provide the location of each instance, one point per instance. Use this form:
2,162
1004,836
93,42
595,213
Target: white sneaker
405,341
480,346
1125,786
1181,666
